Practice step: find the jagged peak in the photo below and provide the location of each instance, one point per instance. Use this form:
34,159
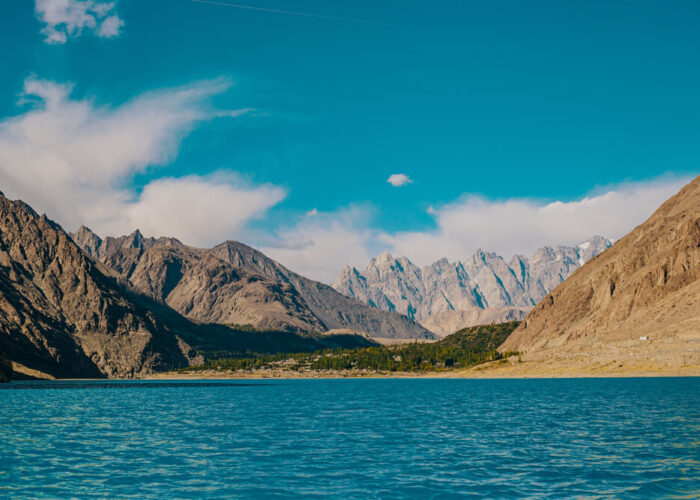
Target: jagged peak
440,263
237,245
348,270
385,256
482,255
22,206
166,241
84,231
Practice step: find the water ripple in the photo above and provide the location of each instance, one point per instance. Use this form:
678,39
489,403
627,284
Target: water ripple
616,438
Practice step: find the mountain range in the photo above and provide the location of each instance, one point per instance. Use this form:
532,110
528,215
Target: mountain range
80,306
446,296
84,306
235,284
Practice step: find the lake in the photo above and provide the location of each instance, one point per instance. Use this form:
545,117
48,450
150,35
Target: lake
368,438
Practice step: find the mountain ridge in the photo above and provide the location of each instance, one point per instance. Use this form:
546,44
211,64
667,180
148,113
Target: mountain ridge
233,282
484,281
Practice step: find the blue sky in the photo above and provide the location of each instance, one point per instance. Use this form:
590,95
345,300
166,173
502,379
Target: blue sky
281,130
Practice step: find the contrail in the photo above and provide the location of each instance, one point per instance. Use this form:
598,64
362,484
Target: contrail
289,12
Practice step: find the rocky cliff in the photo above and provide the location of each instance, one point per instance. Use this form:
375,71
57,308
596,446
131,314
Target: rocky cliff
639,299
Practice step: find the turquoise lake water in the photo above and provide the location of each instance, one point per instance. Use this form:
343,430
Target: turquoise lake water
589,438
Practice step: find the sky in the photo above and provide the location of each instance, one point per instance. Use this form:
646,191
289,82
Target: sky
326,132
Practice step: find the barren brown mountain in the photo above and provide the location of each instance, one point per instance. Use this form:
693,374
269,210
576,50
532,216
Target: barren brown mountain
637,304
233,283
200,286
65,314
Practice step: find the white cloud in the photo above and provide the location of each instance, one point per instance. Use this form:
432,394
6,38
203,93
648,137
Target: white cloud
320,246
75,160
72,18
398,180
202,210
521,226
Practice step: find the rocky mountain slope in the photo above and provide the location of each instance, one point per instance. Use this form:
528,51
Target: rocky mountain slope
233,283
66,314
199,285
485,281
637,301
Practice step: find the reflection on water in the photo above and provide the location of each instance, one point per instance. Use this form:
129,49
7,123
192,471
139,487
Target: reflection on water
614,438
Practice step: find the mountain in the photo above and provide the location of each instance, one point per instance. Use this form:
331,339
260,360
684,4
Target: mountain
63,313
199,285
448,322
233,283
637,302
483,282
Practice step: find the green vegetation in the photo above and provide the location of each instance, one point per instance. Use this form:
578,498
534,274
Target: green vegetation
462,349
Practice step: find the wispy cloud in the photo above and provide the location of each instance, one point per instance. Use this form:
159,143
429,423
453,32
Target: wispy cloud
398,180
71,18
74,160
235,113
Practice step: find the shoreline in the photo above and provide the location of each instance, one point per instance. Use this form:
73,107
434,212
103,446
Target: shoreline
493,370
509,368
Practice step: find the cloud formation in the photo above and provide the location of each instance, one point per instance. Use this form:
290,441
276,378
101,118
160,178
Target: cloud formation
74,161
72,18
398,180
521,226
320,244
323,245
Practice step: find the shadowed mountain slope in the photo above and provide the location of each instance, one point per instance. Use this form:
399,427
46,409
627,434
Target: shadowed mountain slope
5,369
